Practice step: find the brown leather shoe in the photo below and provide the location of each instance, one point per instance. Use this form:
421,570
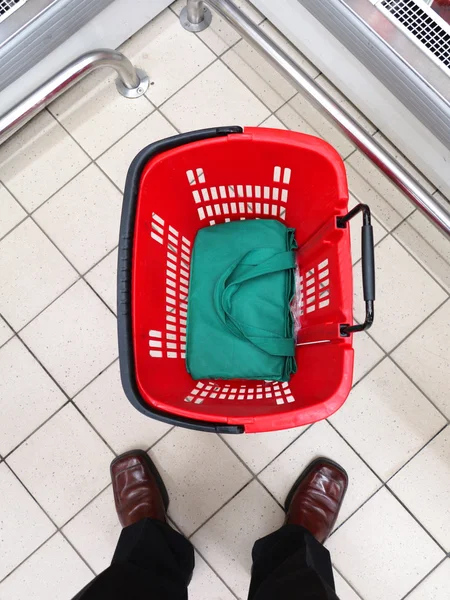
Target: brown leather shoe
139,491
316,497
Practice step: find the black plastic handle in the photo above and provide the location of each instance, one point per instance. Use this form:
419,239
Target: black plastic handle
368,265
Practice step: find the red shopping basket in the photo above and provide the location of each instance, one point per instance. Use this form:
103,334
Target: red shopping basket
179,185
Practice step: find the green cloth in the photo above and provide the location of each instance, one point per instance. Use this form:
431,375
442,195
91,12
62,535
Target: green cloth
239,323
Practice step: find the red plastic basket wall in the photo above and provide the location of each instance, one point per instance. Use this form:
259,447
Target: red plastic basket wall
261,173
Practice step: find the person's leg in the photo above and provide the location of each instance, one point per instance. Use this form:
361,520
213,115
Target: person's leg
152,561
292,563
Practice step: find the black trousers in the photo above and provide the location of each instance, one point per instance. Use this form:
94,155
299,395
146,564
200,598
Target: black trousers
154,562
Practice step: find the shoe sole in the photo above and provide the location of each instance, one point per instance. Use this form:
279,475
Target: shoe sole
154,471
306,472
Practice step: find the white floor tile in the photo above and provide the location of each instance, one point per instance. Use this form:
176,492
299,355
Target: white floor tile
428,245
425,356
367,354
321,440
363,192
219,36
64,464
406,294
74,338
39,159
200,473
11,212
6,332
83,218
226,541
205,584
23,525
423,485
435,586
273,123
404,161
387,419
33,272
265,82
27,395
343,590
54,571
89,109
95,531
380,183
257,450
300,115
170,55
110,412
263,79
382,551
343,101
197,105
117,160
379,232
103,278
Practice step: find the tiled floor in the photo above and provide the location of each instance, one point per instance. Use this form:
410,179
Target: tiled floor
63,412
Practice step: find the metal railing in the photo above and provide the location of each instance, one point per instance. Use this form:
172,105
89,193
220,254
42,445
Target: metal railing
196,16
131,83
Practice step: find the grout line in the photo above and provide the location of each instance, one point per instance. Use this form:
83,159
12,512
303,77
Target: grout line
388,354
416,519
171,521
350,585
438,409
399,241
81,276
214,571
14,227
78,409
160,438
189,537
241,460
29,555
384,484
443,428
417,232
84,507
161,104
19,331
424,578
69,401
77,552
58,529
102,154
8,454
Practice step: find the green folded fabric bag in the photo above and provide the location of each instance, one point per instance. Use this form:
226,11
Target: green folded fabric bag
239,323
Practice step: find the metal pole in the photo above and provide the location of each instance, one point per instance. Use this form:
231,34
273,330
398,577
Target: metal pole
131,83
195,16
195,10
436,212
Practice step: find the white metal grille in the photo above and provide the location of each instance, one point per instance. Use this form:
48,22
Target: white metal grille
9,6
422,25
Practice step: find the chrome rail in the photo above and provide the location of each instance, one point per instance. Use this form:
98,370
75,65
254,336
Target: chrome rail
131,83
196,12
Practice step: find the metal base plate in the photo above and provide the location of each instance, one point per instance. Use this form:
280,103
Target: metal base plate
196,27
138,91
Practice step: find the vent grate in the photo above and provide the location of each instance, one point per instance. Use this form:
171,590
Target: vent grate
9,6
422,25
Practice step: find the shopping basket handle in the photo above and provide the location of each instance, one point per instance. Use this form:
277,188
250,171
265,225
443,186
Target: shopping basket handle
368,266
